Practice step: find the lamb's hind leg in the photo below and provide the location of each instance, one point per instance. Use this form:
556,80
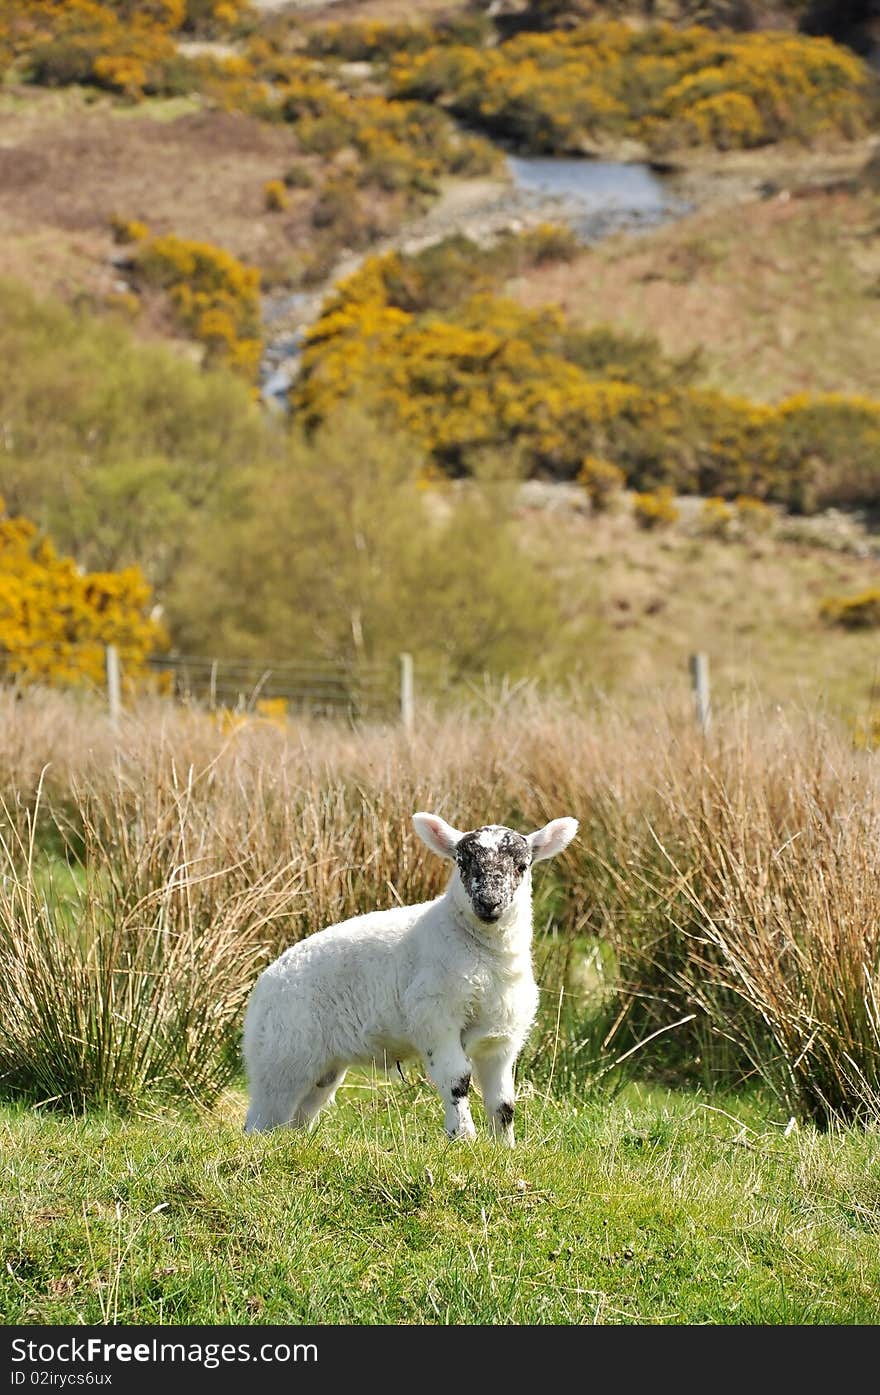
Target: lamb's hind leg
320,1095
270,1109
276,1101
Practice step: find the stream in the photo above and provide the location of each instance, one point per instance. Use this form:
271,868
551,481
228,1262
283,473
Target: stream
594,197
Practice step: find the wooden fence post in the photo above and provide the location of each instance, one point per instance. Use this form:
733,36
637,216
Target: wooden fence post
699,666
114,685
407,695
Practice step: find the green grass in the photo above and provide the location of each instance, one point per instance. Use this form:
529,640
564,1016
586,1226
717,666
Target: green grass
15,100
648,1207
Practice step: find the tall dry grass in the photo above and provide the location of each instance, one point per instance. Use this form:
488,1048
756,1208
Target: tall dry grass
728,886
771,886
126,966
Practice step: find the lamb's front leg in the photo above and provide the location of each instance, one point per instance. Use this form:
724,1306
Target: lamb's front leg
494,1070
450,1072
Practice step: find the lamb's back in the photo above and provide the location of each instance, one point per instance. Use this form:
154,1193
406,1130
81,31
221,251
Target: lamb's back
361,945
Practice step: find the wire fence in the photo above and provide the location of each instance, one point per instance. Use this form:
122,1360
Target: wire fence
320,690
352,691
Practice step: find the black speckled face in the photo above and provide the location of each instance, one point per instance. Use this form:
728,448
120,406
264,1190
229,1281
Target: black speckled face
492,862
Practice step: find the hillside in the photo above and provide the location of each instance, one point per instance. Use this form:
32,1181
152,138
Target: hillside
70,163
218,197
778,291
636,604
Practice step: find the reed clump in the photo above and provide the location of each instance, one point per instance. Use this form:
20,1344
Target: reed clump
717,917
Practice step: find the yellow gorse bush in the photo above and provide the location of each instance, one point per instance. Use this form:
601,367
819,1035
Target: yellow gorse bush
275,196
655,509
489,374
400,144
214,297
126,230
753,515
602,482
859,612
561,90
123,45
669,87
55,620
716,518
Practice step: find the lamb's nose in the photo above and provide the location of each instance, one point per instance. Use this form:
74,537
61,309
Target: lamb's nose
487,909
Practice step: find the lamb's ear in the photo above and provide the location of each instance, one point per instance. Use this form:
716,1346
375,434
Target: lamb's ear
552,838
437,834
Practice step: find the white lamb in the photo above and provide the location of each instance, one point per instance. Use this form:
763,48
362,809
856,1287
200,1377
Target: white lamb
448,980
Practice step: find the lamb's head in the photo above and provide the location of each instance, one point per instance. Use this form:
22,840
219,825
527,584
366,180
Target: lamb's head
493,863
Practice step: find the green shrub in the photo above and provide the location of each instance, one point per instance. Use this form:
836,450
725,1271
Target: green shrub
549,242
357,41
299,177
59,63
276,567
339,210
169,435
375,40
832,444
605,351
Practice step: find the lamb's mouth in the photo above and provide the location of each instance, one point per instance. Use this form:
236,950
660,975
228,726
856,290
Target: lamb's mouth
488,917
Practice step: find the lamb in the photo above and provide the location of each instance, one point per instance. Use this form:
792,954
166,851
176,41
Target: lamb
448,980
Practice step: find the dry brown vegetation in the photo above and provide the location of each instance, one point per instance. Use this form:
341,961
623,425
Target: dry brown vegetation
634,604
780,293
69,165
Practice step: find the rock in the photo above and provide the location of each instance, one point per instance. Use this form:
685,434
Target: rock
197,48
620,152
554,496
356,69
